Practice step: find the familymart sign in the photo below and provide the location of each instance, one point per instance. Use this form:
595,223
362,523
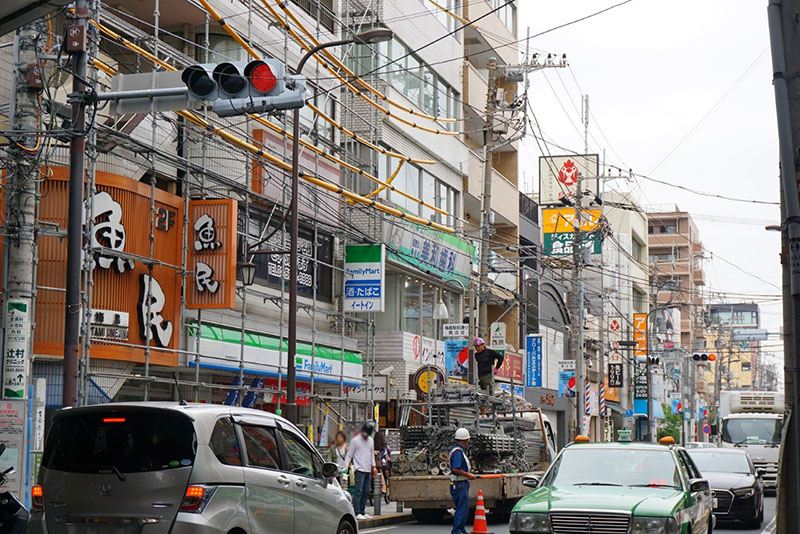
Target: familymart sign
364,278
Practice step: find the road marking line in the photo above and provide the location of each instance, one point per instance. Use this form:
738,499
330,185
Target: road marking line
770,528
378,529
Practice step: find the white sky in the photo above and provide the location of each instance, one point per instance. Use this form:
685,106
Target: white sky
653,70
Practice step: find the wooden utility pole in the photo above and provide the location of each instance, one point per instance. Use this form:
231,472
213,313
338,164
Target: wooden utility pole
784,34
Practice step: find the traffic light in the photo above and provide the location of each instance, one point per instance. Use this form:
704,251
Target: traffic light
239,87
698,357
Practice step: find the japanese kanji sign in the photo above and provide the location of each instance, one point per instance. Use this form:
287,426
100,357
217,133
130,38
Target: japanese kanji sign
16,349
364,278
212,254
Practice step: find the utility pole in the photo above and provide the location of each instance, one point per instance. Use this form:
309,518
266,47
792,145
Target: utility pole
487,216
784,33
578,297
76,40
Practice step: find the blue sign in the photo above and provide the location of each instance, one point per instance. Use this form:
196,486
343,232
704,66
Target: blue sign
519,391
533,361
364,278
628,413
566,383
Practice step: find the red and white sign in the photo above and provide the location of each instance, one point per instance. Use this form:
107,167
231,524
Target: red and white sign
417,347
559,175
568,173
615,324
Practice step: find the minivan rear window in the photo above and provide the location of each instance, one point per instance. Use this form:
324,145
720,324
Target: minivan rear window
123,442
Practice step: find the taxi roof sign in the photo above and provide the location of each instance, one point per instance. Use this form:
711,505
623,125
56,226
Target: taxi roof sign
667,440
580,438
623,435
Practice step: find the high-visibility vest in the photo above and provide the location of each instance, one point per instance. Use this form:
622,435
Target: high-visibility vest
454,477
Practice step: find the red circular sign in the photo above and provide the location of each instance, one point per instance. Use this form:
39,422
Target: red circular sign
706,429
614,326
417,347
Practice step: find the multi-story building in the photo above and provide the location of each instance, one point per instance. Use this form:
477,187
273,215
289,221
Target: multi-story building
677,279
738,363
408,121
676,262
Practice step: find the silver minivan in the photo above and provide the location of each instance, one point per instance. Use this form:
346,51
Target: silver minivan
159,468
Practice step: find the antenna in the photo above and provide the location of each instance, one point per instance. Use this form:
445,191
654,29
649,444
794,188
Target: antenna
178,389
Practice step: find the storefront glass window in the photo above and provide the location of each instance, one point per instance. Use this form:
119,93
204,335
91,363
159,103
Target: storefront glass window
429,299
411,305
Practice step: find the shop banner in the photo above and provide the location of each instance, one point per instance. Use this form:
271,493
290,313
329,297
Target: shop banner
640,368
533,361
566,383
456,357
212,254
16,349
558,176
511,368
364,278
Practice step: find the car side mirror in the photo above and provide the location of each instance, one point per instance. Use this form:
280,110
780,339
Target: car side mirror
530,481
761,472
329,470
696,485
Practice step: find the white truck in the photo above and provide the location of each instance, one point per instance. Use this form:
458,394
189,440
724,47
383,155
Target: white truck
753,420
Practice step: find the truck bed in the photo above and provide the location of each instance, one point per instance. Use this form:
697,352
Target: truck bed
430,491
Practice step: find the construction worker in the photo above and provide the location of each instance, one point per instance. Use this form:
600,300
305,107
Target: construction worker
459,480
488,362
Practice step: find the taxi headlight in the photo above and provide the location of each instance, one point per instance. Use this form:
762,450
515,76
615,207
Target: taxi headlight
529,523
654,525
745,492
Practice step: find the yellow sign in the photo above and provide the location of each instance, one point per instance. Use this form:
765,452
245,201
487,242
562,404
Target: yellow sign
640,334
562,220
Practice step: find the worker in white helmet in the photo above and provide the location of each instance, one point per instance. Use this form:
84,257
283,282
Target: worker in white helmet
459,480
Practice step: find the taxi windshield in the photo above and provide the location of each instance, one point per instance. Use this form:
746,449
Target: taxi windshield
630,467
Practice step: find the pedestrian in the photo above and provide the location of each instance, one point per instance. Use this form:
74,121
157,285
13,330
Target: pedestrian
460,476
383,454
362,454
337,455
486,359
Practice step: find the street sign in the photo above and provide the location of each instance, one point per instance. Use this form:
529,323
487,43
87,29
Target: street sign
615,379
749,334
533,361
628,413
706,429
455,330
364,278
498,336
17,347
566,365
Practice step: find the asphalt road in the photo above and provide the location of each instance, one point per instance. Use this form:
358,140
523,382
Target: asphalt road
502,528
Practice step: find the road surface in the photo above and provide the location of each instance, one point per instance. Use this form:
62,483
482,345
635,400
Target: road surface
501,528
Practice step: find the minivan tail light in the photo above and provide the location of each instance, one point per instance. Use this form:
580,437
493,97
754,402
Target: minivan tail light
113,419
37,497
196,497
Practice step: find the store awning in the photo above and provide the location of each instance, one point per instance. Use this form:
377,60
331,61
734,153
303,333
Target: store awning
220,348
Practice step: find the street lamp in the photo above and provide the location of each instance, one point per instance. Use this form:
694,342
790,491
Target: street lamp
247,272
375,35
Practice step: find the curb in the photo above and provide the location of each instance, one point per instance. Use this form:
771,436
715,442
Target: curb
388,519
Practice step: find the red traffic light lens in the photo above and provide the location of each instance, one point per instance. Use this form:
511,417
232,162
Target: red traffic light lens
262,78
712,357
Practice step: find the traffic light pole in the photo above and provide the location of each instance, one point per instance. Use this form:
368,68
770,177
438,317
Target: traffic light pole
294,230
368,37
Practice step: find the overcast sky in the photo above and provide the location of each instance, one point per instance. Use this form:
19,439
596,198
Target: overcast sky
657,72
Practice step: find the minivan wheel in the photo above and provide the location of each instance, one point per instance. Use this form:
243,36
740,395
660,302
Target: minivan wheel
346,527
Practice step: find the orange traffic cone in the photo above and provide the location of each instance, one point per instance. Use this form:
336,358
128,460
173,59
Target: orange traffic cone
480,526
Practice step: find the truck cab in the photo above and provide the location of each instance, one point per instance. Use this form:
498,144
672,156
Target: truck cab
753,420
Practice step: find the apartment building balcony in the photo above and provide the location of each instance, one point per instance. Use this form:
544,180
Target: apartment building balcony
698,276
505,196
668,240
486,38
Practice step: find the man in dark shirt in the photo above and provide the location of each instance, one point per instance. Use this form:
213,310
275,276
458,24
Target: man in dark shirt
486,359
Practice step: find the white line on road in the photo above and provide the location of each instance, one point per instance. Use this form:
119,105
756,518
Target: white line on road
770,528
378,529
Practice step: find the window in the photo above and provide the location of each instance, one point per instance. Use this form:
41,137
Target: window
301,460
668,229
507,14
637,250
411,305
132,441
428,295
224,443
453,6
638,301
222,48
409,75
262,449
318,9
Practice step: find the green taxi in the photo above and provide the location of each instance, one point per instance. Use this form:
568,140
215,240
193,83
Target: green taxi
617,488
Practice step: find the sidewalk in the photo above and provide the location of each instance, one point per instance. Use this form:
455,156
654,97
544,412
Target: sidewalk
388,517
